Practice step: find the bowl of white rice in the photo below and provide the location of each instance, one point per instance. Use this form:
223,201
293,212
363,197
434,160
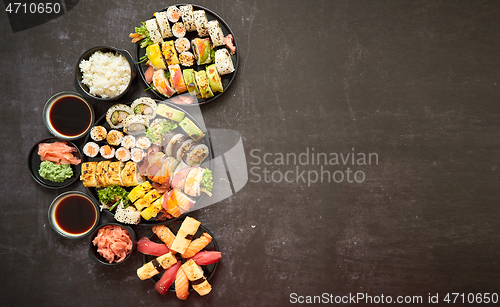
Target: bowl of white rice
105,73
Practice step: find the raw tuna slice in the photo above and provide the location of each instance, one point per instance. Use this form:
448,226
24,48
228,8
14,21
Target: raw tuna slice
207,257
148,247
167,278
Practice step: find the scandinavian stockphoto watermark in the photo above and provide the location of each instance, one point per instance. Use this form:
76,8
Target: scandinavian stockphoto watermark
310,167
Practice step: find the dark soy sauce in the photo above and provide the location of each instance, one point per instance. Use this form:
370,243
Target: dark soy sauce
75,214
70,116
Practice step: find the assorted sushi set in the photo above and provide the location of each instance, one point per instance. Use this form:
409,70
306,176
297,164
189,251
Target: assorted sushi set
147,162
186,49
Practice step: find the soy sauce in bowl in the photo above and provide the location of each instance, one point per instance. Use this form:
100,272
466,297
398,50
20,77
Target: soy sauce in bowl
68,116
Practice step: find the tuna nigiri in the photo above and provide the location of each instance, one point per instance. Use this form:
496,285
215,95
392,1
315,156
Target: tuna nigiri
148,247
207,257
181,285
197,245
167,278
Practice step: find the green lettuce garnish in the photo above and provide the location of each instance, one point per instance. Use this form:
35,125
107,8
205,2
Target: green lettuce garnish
111,196
207,182
156,132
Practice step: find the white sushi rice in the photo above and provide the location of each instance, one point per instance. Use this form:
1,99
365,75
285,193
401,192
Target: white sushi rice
91,149
128,141
107,75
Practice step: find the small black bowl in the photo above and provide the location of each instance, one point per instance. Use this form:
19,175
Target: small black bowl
82,88
94,255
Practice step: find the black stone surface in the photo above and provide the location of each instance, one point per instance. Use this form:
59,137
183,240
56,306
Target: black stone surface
414,82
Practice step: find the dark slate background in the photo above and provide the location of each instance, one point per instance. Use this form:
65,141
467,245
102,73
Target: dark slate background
416,82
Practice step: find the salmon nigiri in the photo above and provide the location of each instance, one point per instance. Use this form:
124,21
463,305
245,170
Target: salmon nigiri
181,285
197,245
165,234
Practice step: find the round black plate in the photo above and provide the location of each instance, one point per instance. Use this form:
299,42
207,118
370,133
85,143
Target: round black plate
208,162
226,79
208,270
34,165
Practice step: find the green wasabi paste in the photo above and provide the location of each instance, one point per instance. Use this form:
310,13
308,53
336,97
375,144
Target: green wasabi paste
55,172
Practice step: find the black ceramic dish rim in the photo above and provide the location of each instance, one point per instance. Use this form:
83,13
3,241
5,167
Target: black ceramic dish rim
94,255
209,159
92,200
86,55
205,101
204,229
76,169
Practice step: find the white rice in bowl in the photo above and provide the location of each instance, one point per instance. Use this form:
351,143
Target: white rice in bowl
106,74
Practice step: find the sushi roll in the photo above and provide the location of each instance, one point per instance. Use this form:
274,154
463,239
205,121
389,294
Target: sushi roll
117,114
114,170
87,176
202,49
127,215
169,52
191,129
190,82
98,133
153,52
91,149
214,78
162,84
203,84
173,14
143,143
154,32
137,154
101,173
163,25
182,44
223,62
144,106
176,78
107,152
201,22
186,59
122,154
179,30
180,148
187,17
128,141
215,32
193,181
114,137
135,124
169,112
173,142
130,176
197,154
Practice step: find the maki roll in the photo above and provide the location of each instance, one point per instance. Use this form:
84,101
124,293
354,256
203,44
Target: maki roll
196,155
114,170
182,44
198,180
202,48
154,32
179,30
114,137
201,22
107,152
101,173
135,124
214,78
153,52
176,78
173,14
163,25
122,154
169,52
143,143
186,59
215,32
203,84
98,133
191,129
88,174
117,114
169,112
137,154
130,176
144,106
187,17
128,141
162,84
173,141
223,62
127,215
91,149
158,128
190,82
180,148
